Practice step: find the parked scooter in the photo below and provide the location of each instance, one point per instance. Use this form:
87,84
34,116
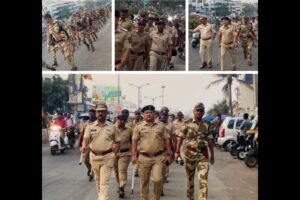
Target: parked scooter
241,150
240,142
195,39
251,159
56,141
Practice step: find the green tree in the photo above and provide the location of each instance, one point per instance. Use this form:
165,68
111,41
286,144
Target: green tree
248,9
220,107
227,88
65,13
89,4
222,10
54,92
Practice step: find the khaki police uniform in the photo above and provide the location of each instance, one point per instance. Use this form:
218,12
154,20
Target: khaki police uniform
151,139
207,31
126,24
139,43
159,49
123,156
103,137
178,125
122,42
228,34
86,156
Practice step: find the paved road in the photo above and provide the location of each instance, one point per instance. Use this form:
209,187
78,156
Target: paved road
99,60
64,179
195,62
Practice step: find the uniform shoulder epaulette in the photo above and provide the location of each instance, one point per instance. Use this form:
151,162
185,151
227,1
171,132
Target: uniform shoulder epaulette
188,121
124,29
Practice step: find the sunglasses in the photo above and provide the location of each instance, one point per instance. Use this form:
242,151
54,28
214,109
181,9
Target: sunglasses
199,110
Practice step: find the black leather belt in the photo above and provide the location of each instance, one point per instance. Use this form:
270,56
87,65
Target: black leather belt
124,150
159,53
151,154
137,53
102,153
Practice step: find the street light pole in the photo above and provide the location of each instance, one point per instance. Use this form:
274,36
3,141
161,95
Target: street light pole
139,90
152,98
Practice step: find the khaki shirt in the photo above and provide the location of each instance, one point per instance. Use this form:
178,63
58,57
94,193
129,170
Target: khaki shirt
126,24
122,41
227,34
139,41
103,137
206,31
151,137
178,125
125,143
134,123
172,31
160,41
149,28
196,135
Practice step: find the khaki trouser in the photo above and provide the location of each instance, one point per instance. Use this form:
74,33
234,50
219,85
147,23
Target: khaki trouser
146,165
120,167
201,163
156,61
232,52
102,167
86,159
135,62
206,44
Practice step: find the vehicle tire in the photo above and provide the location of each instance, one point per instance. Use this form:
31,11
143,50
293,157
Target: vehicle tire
233,151
226,145
194,44
251,161
53,150
241,154
62,151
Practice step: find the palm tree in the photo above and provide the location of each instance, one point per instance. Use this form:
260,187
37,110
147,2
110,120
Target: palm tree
226,89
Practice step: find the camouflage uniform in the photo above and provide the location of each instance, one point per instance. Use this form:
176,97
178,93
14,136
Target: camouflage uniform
246,38
196,155
59,39
84,33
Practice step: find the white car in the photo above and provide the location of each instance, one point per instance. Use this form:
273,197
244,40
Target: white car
228,132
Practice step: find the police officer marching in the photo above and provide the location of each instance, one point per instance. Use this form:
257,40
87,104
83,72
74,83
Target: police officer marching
104,144
198,139
123,156
152,136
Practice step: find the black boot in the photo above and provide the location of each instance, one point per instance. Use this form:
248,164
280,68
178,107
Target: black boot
181,162
54,63
88,47
136,174
162,193
121,193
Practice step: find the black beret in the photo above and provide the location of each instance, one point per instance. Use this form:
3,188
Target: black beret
148,107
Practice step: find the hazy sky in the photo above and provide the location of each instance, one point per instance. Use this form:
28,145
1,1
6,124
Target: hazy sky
182,92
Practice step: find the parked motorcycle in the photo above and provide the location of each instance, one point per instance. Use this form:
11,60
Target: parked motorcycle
195,39
251,159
